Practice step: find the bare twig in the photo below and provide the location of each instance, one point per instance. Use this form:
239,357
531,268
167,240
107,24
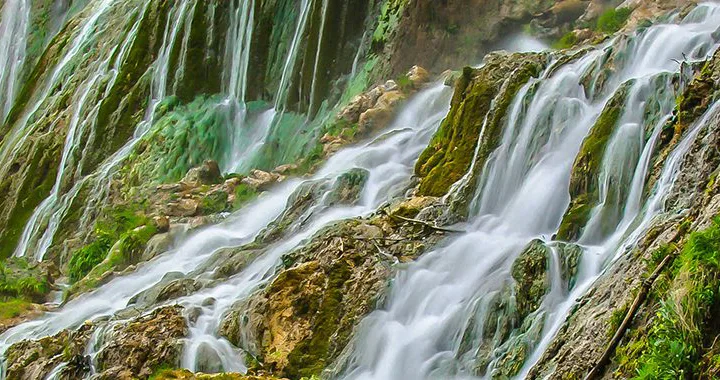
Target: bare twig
426,224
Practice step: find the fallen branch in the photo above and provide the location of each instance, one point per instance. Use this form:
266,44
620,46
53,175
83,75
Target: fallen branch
645,287
426,224
378,239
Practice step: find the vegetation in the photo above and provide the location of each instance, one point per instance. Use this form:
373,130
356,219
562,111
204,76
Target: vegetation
119,226
568,40
612,20
686,300
19,280
87,257
14,308
21,285
243,195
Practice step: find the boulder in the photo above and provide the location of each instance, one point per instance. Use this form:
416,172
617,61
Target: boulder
418,76
144,344
206,174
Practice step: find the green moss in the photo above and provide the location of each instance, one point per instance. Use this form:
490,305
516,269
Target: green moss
616,318
451,150
14,308
118,225
684,317
388,20
530,271
567,41
243,195
309,357
182,138
612,20
584,178
214,203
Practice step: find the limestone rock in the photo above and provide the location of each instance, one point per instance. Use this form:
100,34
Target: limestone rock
418,76
206,174
531,273
143,344
261,180
35,359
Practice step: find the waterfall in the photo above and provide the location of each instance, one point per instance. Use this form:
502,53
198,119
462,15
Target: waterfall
389,160
431,325
13,41
42,226
250,133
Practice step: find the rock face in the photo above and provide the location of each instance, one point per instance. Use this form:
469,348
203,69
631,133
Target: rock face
584,335
36,359
452,150
303,319
139,347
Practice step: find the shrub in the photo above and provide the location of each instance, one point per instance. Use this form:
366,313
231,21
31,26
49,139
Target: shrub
675,338
19,280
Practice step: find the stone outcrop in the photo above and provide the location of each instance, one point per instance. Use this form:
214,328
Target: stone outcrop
452,150
303,319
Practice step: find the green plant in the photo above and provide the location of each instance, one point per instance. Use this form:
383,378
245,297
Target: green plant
20,281
612,20
13,308
404,83
675,338
87,257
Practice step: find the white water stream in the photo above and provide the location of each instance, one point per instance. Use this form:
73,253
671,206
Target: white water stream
42,226
13,40
522,195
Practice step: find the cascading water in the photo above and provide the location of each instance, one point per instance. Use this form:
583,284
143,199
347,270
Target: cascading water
13,39
42,226
250,132
432,323
389,162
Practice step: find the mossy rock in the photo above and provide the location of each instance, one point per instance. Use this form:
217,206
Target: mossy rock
531,273
586,168
452,149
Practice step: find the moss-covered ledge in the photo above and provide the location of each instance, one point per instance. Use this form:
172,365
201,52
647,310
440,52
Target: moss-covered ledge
450,152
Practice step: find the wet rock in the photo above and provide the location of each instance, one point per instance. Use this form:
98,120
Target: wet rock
410,208
150,296
260,180
183,374
143,344
208,360
418,76
206,174
530,271
285,169
184,207
570,255
479,93
390,86
303,319
162,223
35,359
348,187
